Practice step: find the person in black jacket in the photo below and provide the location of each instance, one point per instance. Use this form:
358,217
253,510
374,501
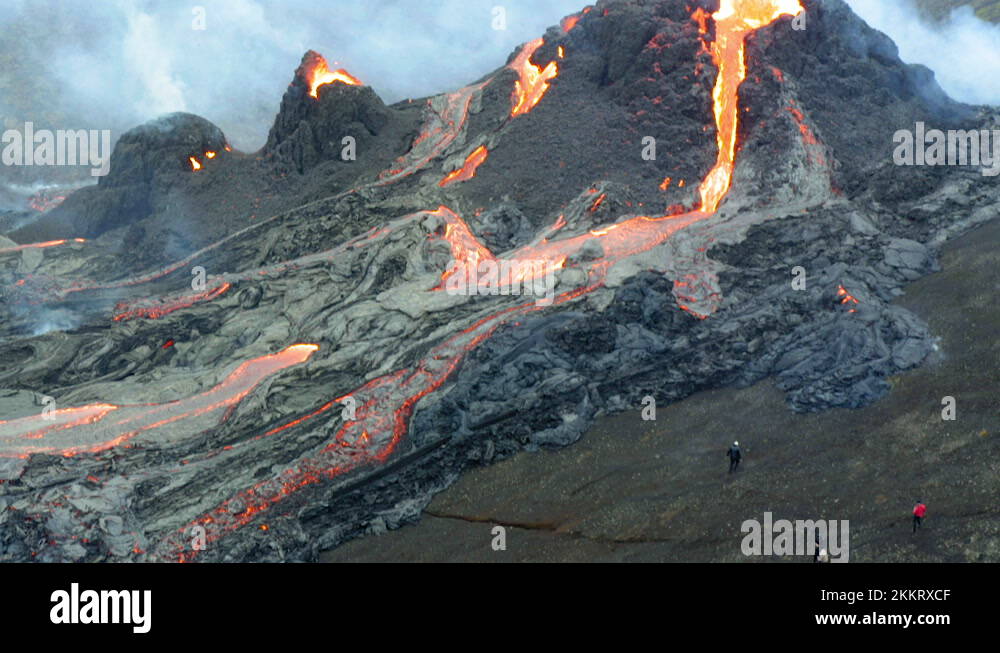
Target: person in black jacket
734,456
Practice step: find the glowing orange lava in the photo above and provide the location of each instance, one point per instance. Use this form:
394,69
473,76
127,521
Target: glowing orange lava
90,429
847,298
734,20
533,82
321,75
467,171
195,164
569,22
701,16
160,309
45,245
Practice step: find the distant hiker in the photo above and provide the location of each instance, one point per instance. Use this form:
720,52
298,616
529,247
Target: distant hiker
734,456
919,511
816,549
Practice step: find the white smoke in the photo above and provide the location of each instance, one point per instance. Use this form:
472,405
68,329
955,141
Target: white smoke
963,52
120,63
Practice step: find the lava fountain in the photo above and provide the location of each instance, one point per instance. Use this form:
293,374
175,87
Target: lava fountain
319,74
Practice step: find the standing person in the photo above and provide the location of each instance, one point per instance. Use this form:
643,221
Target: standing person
820,554
734,456
919,511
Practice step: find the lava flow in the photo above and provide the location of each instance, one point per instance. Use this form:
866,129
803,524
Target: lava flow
734,20
847,299
533,82
160,308
446,119
45,245
381,421
467,171
569,22
43,202
91,429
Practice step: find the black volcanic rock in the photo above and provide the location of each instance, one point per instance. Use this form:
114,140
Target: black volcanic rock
147,164
848,78
157,153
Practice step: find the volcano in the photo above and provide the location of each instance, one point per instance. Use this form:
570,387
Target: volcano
223,356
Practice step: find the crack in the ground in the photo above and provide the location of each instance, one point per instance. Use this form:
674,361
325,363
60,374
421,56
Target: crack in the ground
550,528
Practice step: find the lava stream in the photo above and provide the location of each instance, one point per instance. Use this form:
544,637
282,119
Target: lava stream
382,419
734,20
468,170
45,245
443,125
98,427
533,82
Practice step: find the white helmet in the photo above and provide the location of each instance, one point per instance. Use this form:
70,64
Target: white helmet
736,444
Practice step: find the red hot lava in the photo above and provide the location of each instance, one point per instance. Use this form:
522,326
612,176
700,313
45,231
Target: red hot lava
467,171
569,22
321,75
45,245
85,429
533,82
847,299
734,20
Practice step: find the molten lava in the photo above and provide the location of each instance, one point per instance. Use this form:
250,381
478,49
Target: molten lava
701,17
195,164
45,245
443,126
43,201
386,403
533,82
467,171
88,429
159,309
734,20
321,75
569,22
847,298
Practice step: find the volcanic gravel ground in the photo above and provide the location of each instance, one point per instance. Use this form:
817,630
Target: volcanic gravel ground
659,491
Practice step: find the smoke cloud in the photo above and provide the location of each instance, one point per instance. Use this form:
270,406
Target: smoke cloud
118,63
963,51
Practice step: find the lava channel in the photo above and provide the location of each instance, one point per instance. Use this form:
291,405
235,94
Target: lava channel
97,427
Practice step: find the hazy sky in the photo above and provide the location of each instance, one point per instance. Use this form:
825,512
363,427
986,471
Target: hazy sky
131,60
119,63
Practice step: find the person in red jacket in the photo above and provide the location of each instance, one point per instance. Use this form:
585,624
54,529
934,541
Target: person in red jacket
919,511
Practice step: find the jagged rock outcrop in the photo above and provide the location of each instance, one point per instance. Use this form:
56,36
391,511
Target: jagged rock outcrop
310,129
